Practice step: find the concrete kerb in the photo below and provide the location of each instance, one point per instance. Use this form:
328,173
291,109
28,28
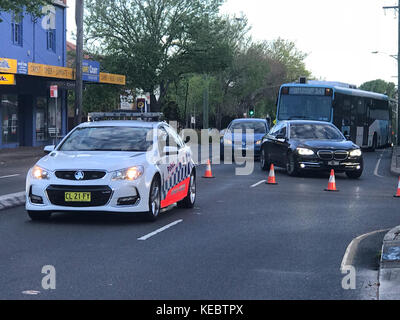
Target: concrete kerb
395,165
12,200
389,269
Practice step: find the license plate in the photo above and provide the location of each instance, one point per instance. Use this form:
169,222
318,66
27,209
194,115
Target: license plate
334,163
77,197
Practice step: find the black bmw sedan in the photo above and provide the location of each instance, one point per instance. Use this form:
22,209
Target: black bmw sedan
300,145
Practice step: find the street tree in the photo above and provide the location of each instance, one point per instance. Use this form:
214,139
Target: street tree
286,52
158,41
19,6
380,86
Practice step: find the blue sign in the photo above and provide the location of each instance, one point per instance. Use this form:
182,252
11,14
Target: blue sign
22,67
91,71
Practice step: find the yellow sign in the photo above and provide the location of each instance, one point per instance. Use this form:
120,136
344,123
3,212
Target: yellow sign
7,79
8,65
43,70
112,78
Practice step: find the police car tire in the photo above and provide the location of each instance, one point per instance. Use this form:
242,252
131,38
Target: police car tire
149,214
39,215
187,202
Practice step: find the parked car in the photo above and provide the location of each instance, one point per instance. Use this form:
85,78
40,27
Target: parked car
300,145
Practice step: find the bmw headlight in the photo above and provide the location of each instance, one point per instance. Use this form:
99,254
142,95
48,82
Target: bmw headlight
356,153
305,152
130,174
40,173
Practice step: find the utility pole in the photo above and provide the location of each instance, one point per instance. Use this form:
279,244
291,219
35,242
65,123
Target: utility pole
398,68
79,58
205,102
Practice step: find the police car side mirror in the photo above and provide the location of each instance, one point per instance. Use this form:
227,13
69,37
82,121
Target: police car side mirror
169,151
347,136
48,149
187,139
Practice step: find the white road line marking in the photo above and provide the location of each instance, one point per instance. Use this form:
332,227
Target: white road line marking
258,183
377,167
10,176
147,236
350,251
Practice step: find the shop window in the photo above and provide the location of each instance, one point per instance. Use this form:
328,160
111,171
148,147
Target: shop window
54,127
41,119
9,119
16,30
51,40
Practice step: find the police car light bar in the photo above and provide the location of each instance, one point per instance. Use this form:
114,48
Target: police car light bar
125,115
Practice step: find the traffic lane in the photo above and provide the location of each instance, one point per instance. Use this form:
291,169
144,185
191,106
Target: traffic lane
90,251
73,242
225,248
13,175
286,246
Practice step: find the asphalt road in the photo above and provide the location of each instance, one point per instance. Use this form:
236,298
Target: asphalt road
266,242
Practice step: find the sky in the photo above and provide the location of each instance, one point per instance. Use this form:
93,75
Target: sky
339,36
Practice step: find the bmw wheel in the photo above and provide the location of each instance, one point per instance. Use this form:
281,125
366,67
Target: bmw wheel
154,200
264,164
190,199
291,165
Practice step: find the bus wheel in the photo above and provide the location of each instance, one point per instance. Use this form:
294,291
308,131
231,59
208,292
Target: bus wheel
374,143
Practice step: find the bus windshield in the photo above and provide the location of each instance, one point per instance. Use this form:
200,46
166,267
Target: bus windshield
309,107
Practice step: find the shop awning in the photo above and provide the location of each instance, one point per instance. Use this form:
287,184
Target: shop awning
12,66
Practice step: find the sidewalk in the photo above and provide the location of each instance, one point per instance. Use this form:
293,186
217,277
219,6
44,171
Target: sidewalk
389,270
21,153
395,166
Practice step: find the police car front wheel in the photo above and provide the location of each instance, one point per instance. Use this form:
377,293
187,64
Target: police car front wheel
154,200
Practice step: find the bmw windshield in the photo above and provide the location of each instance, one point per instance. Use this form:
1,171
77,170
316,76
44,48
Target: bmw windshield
315,132
305,107
108,139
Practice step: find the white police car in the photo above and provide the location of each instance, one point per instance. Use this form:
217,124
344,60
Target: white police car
113,166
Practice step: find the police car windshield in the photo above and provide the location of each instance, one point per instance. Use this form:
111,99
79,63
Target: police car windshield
108,139
315,132
257,126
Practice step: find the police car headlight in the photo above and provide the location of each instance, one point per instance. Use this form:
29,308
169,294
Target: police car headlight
305,152
356,153
40,173
258,142
129,174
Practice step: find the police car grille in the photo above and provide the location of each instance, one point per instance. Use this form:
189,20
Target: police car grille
100,195
87,175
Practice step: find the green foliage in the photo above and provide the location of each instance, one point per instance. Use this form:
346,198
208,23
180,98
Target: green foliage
156,42
380,86
19,6
286,53
178,49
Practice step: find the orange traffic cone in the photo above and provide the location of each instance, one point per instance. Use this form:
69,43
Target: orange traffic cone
332,182
208,173
398,190
271,177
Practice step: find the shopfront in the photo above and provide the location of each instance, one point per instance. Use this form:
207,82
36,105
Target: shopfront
29,117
